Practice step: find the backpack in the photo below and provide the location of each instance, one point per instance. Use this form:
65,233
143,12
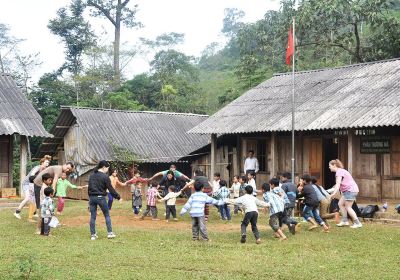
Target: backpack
369,211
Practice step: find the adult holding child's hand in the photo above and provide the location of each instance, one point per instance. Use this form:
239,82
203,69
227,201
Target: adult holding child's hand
99,183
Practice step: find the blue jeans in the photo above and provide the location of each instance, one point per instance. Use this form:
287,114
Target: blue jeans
136,209
94,201
225,212
110,200
310,211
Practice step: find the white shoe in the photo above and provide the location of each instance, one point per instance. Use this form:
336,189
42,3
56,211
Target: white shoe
18,216
111,235
359,225
342,224
94,237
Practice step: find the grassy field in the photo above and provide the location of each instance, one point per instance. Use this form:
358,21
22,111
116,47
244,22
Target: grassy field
157,250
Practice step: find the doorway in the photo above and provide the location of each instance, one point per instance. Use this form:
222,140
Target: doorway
315,156
331,151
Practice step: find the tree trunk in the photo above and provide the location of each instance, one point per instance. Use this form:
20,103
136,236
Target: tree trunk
117,74
357,52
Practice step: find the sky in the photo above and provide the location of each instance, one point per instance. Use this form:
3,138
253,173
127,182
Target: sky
199,20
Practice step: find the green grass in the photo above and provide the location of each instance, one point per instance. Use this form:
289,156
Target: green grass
168,253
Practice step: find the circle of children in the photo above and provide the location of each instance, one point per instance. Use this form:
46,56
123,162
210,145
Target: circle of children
279,196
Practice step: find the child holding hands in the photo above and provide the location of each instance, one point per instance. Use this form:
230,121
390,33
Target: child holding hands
249,203
196,204
170,198
152,194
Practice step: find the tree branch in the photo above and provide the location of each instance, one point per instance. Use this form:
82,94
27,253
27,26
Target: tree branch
329,45
103,10
124,3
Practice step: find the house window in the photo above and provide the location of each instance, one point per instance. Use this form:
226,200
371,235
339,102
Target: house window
395,156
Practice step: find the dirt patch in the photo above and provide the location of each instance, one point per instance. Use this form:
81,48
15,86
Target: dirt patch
147,223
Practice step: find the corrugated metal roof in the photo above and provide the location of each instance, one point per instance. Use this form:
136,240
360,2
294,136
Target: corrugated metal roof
152,136
17,114
361,95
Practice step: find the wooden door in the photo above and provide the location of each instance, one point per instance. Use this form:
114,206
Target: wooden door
4,161
315,158
343,150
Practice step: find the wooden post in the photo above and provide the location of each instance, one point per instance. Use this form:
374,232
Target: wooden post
23,162
213,155
350,140
378,179
274,155
238,155
11,162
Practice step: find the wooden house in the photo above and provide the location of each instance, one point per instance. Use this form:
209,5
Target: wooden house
154,140
350,112
18,121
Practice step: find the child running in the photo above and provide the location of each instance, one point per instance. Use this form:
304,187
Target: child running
62,185
47,211
250,204
311,202
152,194
276,209
285,217
170,199
196,204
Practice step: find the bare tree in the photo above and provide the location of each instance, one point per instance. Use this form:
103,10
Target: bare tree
118,13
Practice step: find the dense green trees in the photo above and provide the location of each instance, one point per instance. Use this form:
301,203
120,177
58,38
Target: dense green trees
329,33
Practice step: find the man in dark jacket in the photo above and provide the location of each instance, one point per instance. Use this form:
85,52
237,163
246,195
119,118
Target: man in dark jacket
99,183
311,203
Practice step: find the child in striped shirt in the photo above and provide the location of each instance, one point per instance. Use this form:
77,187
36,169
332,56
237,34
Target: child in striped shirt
276,209
223,193
152,194
196,204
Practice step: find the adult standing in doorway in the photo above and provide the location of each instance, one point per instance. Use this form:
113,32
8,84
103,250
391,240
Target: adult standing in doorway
251,164
99,183
43,164
349,190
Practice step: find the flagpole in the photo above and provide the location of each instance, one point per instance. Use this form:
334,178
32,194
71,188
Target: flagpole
293,100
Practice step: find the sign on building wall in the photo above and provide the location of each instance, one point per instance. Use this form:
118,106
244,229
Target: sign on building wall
375,145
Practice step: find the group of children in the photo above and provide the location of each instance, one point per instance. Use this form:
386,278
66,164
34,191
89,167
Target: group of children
279,196
47,207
